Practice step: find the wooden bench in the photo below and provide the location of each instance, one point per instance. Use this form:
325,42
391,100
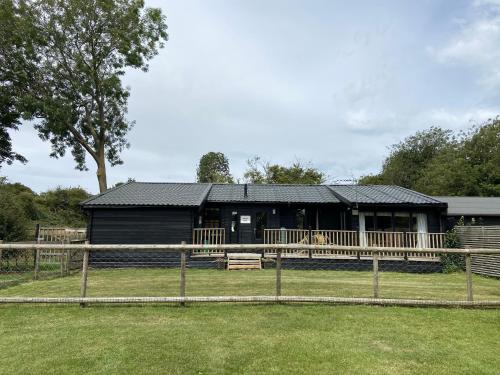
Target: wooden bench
244,261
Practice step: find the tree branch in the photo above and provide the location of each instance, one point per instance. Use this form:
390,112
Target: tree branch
83,142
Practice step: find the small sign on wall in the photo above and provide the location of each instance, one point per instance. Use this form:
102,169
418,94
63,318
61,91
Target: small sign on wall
245,219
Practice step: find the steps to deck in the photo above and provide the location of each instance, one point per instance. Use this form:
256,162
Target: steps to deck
244,261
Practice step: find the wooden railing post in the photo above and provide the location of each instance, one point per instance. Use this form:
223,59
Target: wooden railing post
375,274
85,269
182,291
278,273
468,276
36,270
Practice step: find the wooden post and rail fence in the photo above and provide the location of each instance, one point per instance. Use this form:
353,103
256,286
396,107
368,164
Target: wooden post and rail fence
185,249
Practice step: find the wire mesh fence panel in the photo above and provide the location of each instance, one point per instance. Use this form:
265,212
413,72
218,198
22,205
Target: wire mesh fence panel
326,277
233,274
302,270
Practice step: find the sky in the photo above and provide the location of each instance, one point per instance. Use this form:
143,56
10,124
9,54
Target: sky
330,83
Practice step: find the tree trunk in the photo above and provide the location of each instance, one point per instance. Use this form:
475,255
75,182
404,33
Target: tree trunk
101,174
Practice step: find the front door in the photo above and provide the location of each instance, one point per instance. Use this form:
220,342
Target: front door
261,218
246,226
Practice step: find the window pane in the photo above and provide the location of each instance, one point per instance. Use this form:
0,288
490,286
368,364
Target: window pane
384,223
402,223
414,227
234,221
212,218
301,218
369,222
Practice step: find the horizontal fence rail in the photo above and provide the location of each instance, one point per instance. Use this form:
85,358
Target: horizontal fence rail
369,270
235,247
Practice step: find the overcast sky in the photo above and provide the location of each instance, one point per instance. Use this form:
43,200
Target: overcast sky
327,82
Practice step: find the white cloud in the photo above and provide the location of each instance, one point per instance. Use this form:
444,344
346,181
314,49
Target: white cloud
476,44
456,120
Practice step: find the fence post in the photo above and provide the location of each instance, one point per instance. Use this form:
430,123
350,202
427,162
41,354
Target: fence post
375,274
85,269
1,253
278,273
183,275
37,253
468,275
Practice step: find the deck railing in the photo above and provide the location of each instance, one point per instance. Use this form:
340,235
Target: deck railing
287,236
209,236
412,240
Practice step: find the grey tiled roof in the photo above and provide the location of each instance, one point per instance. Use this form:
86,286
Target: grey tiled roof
152,194
194,194
271,193
381,194
470,206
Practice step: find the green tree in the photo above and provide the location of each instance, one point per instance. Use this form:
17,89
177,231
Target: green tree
16,73
407,159
214,167
80,52
62,206
469,167
120,183
481,149
259,172
13,223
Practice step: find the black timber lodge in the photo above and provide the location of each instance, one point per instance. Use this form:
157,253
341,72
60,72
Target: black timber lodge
198,213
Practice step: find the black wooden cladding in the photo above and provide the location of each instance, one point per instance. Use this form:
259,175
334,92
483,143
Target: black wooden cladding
141,225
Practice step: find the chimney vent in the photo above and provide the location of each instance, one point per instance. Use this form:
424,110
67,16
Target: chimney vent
245,190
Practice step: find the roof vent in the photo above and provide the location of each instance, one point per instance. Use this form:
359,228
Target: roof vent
245,190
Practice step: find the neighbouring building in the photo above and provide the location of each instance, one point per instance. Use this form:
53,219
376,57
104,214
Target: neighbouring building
474,210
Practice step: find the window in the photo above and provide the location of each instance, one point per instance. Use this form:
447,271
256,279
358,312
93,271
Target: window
260,224
212,218
401,221
369,221
300,218
384,221
414,227
234,221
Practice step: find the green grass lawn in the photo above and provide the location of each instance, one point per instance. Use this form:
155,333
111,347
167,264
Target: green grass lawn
165,282
249,338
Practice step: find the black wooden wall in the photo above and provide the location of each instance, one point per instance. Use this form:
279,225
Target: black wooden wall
141,225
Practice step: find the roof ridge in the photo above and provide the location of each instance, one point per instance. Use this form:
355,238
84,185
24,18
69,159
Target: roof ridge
171,183
356,192
419,193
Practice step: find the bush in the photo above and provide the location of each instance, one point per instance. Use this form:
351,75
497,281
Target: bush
13,222
453,262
